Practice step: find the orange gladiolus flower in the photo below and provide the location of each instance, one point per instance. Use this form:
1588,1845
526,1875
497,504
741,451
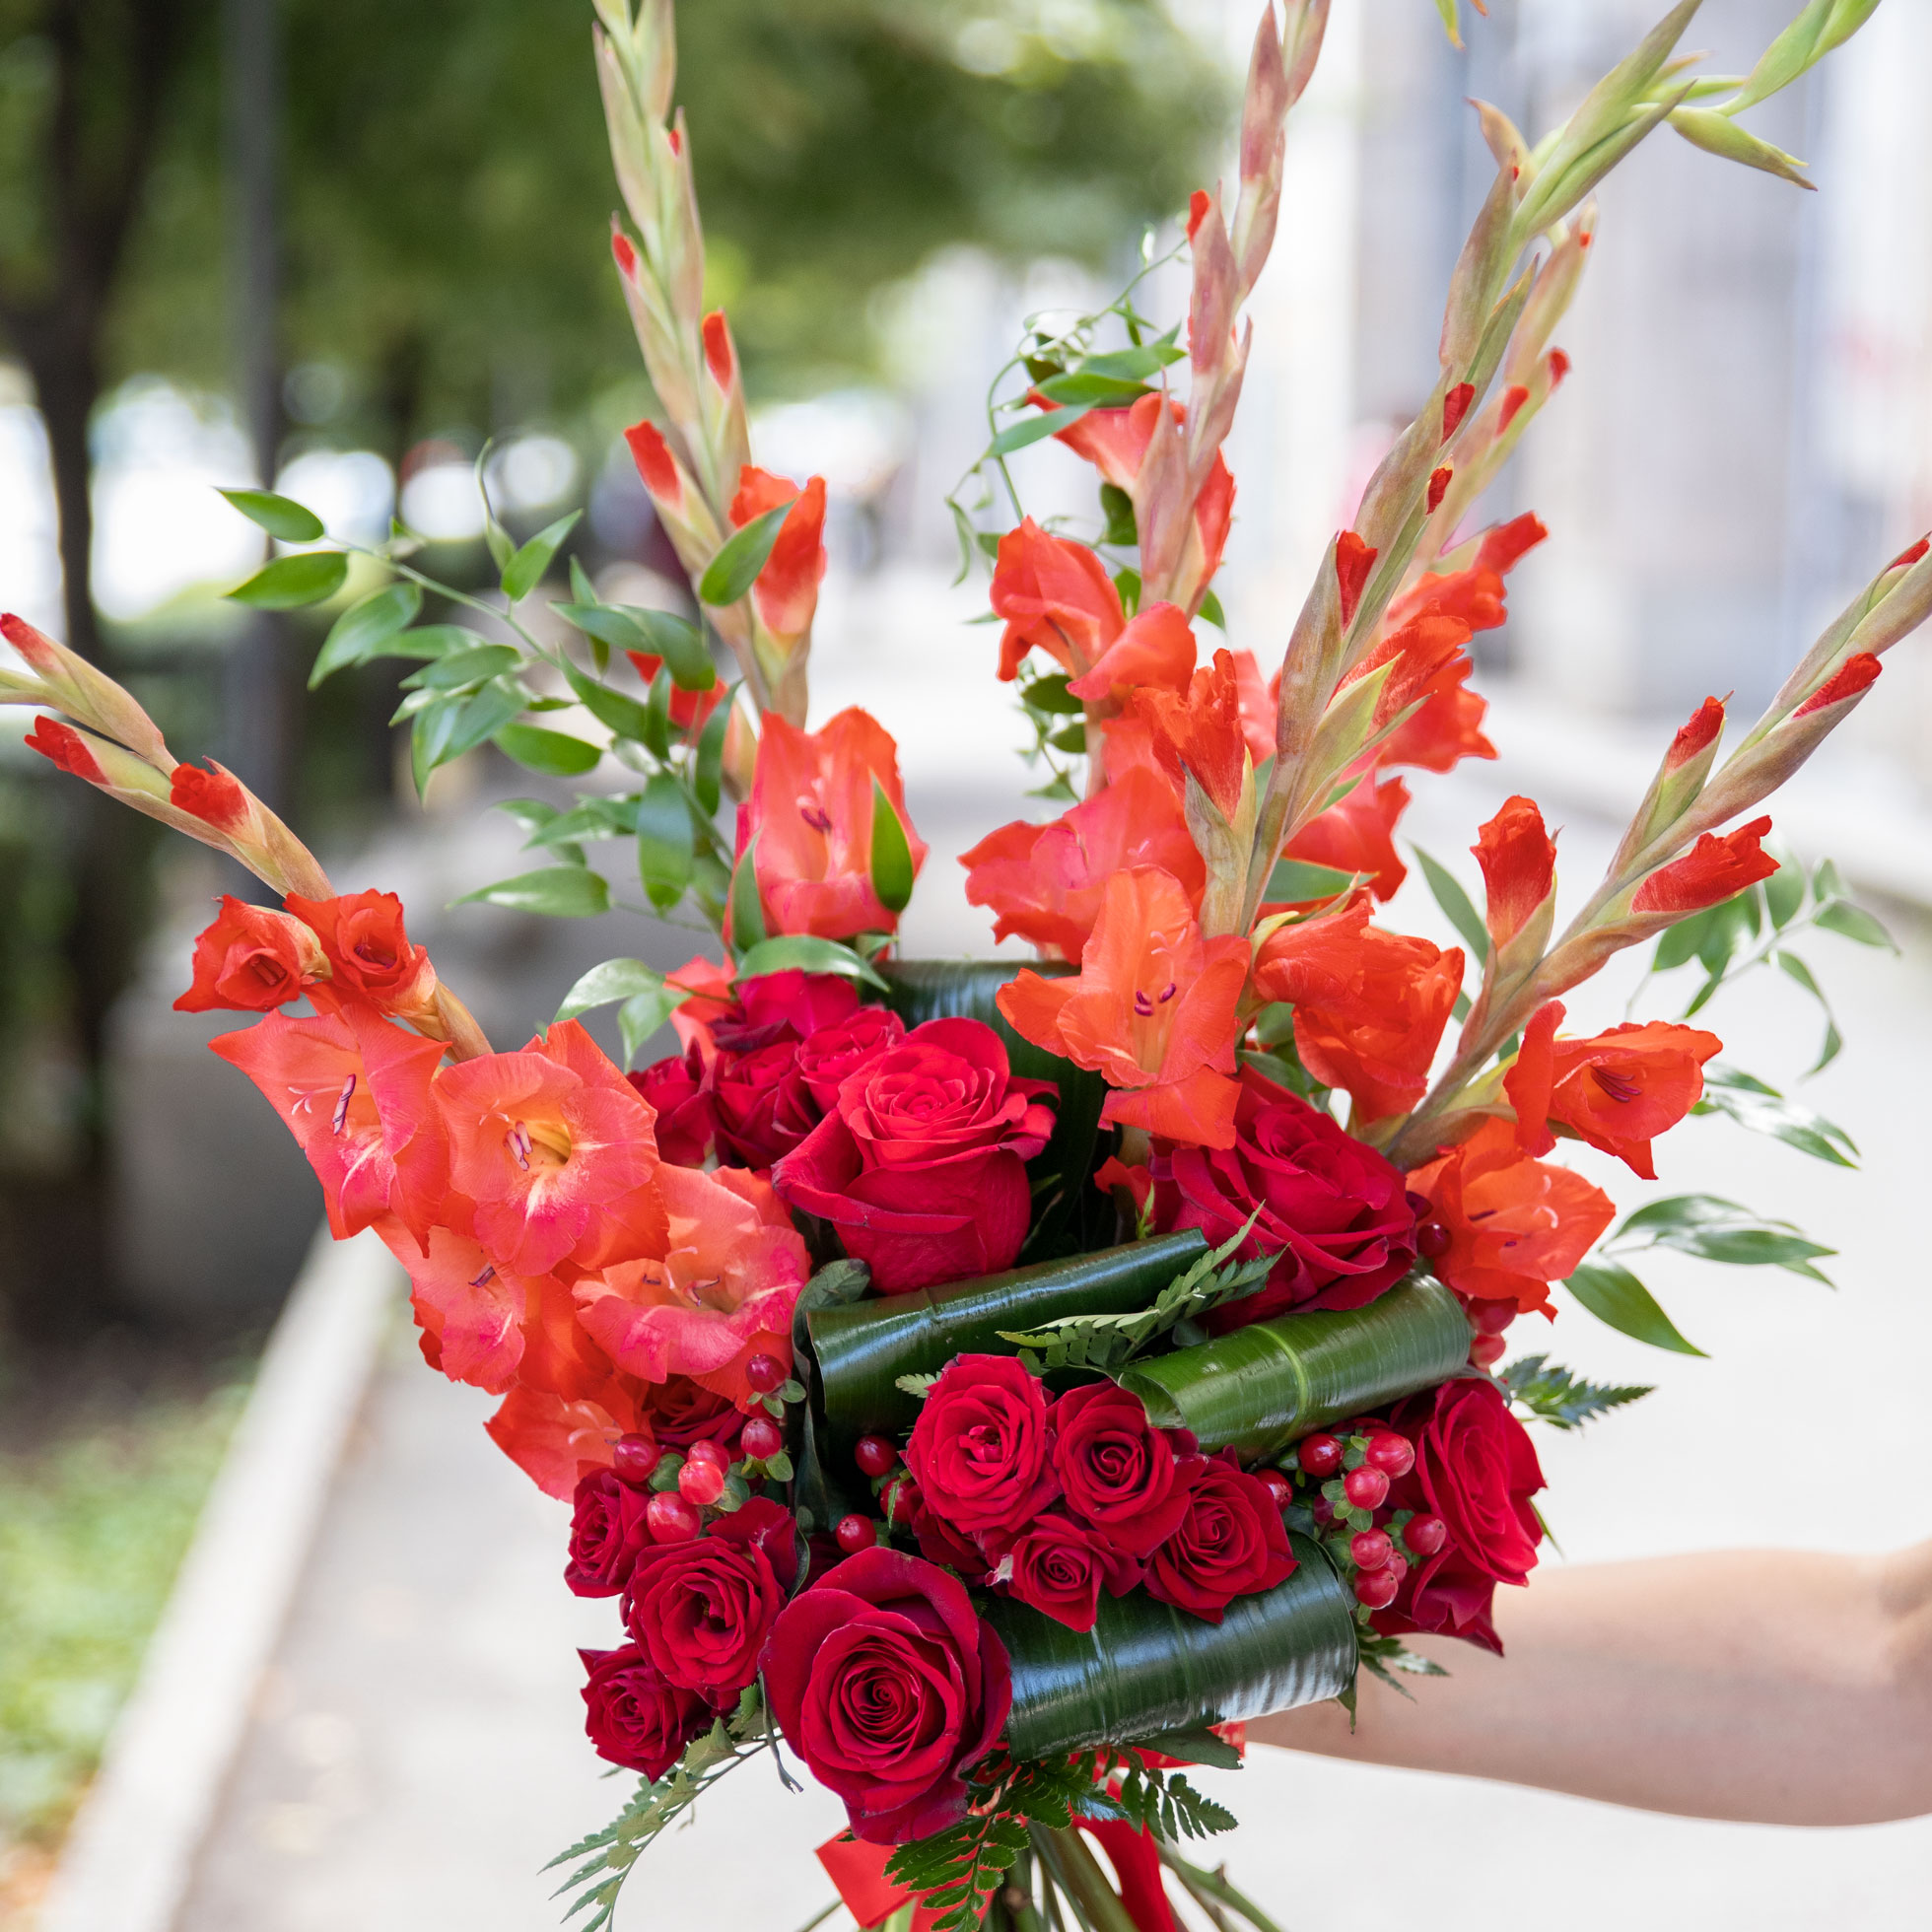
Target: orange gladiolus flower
1713,869
1358,836
1446,729
1369,1006
1056,595
556,1149
1518,858
1153,1010
1513,1224
1045,883
708,983
1202,732
253,960
369,953
720,1292
355,1092
810,810
467,1307
1417,654
554,1441
786,593
1156,648
1618,1090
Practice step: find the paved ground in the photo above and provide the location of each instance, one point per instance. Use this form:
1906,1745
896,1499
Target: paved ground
417,1755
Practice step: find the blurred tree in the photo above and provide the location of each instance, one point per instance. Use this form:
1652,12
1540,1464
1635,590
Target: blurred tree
448,188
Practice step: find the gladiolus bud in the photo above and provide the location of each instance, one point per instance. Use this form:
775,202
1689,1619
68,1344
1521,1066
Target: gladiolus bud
1455,406
1354,560
1857,675
1713,869
1518,858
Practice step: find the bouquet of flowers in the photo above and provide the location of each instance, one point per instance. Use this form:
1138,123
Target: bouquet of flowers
986,1384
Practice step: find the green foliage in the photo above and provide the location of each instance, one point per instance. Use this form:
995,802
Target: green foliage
807,954
1560,1398
1620,1301
1456,904
730,574
1707,1225
563,892
278,516
1755,928
606,1858
648,1002
1749,1101
308,577
891,855
957,1868
1107,1342
1294,881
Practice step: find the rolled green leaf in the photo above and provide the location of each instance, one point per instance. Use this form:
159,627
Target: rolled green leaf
1267,1385
861,1350
1145,1667
1079,1217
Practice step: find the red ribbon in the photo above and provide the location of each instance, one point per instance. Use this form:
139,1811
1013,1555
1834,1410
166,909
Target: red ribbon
1136,1867
858,1869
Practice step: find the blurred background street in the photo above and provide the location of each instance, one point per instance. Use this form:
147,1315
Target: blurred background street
342,249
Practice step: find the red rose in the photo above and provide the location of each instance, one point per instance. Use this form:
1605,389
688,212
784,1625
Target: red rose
675,1089
680,1413
832,1054
251,960
938,1542
606,1532
1337,1213
1059,1566
1115,1470
1477,1469
363,934
636,1719
982,1449
762,1106
703,1610
923,1168
787,1005
1230,1543
888,1686
1446,1596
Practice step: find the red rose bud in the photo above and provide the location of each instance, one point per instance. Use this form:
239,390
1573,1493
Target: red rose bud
1713,869
829,1056
636,1719
921,1169
703,1608
1232,1543
1858,673
1331,1209
608,1528
1394,1455
1455,406
1059,1567
1115,1470
887,1631
253,960
1320,1455
1366,1488
980,1451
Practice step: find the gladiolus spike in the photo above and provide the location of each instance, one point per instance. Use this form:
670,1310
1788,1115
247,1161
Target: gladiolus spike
1856,674
1704,725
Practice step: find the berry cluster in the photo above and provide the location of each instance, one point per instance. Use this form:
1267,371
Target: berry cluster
1348,1479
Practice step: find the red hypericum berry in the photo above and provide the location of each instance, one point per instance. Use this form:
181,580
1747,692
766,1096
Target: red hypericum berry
1397,1565
761,1438
1490,1317
1485,1350
1377,1588
874,1455
1371,1548
1278,1486
1425,1535
1392,1454
700,1483
1432,1238
704,1450
635,1457
855,1533
767,1374
1366,1488
1320,1455
670,1519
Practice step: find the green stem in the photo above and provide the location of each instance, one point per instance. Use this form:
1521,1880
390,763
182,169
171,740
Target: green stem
1210,1889
1096,1903
819,1917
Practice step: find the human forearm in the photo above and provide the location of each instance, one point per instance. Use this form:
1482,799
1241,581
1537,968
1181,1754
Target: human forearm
1770,1686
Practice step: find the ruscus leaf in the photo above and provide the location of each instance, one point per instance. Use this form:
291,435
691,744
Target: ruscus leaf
892,856
561,891
730,574
1618,1298
365,627
281,516
524,570
291,582
554,753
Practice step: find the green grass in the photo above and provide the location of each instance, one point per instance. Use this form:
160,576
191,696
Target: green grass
91,1530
